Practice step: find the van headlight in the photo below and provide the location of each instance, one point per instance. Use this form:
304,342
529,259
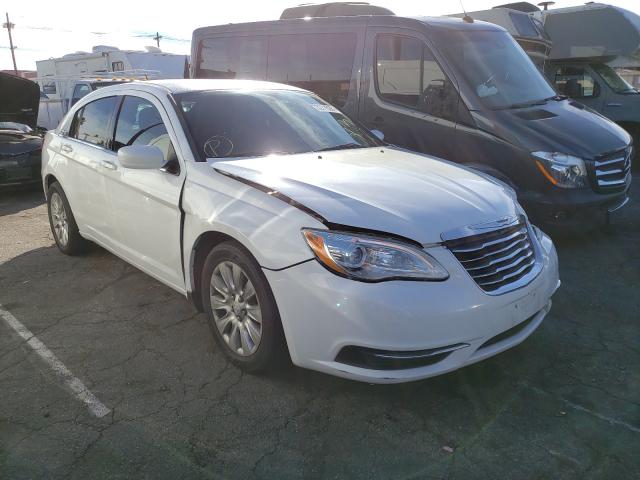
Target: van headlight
371,259
562,170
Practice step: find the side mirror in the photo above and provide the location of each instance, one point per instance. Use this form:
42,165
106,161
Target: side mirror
378,134
140,157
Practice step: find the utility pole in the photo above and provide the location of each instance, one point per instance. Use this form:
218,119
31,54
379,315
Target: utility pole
157,39
9,26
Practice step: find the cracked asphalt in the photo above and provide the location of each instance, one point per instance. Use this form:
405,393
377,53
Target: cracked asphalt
565,404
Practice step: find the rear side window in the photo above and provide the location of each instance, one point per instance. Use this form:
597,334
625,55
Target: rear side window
92,122
233,57
140,123
322,63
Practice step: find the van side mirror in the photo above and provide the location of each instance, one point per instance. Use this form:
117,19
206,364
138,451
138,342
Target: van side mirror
378,134
141,157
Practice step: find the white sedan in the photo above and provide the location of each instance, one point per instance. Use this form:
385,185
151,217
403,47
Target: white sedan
300,234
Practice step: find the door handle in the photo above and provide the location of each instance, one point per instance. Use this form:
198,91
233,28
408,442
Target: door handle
108,165
66,148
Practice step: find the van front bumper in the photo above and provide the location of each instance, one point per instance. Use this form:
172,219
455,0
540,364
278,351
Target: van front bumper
401,331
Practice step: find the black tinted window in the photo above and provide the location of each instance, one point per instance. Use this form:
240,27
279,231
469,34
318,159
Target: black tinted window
321,63
408,73
140,123
233,57
92,122
258,123
575,82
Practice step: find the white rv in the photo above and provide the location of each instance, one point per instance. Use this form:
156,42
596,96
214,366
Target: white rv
63,81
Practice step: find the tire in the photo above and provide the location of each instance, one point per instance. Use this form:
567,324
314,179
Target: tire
233,313
62,222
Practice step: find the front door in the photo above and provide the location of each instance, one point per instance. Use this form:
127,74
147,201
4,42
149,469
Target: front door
146,203
576,81
407,95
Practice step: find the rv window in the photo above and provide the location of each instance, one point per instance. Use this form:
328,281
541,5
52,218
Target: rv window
233,57
92,122
408,73
117,66
140,123
523,23
49,87
575,82
322,63
79,91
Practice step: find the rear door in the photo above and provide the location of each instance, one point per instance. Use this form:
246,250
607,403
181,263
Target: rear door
146,203
407,95
87,154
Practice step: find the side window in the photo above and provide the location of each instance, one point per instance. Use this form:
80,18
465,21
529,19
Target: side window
322,63
117,66
92,123
407,73
398,69
233,57
575,82
140,123
79,91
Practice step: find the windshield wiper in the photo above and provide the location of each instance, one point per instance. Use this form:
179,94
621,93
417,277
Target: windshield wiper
344,146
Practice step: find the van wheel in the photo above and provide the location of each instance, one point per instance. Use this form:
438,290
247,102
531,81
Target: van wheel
62,222
241,309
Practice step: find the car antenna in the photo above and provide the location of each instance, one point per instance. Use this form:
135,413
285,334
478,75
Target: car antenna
466,17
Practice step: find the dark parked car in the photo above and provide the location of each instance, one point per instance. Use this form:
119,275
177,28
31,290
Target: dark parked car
20,141
461,91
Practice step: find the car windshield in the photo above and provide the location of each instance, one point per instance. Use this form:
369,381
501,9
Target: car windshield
615,81
21,127
231,124
496,68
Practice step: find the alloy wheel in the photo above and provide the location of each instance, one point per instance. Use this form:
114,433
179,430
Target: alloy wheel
236,308
59,219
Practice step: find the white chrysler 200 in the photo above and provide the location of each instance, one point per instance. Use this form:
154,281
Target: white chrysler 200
297,231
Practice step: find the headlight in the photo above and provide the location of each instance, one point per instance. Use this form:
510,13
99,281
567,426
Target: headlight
564,171
372,259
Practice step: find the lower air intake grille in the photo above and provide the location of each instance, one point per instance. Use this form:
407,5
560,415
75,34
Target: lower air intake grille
500,260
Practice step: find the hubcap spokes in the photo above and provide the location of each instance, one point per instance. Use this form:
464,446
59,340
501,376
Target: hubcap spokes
236,309
59,219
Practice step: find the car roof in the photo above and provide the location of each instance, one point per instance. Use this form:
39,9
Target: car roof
194,85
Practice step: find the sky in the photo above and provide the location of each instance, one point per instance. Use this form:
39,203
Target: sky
52,29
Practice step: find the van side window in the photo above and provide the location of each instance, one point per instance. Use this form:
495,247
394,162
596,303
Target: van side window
575,82
140,123
408,74
93,120
233,57
322,63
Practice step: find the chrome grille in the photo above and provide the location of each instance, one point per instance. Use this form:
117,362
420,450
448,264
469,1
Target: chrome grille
612,171
499,260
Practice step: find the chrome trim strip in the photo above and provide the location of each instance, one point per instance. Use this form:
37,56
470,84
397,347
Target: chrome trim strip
609,162
492,242
479,229
508,247
506,267
499,260
602,173
618,207
607,183
513,274
430,353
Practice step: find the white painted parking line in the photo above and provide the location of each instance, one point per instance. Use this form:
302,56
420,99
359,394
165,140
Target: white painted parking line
80,391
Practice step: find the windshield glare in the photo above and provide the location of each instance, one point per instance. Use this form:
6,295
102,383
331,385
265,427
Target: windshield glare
615,81
496,68
232,124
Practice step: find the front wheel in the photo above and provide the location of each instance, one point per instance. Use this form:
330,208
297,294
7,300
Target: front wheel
241,309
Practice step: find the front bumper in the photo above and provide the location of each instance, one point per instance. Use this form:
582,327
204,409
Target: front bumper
573,209
322,314
20,170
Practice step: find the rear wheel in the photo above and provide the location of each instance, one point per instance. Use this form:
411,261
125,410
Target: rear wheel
242,312
62,222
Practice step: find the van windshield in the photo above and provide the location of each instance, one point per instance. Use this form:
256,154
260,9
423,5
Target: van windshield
496,68
255,123
615,81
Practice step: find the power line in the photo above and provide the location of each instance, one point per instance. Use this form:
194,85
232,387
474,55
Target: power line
10,26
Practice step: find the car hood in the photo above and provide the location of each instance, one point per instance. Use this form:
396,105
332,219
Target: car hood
380,189
557,126
13,142
19,100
